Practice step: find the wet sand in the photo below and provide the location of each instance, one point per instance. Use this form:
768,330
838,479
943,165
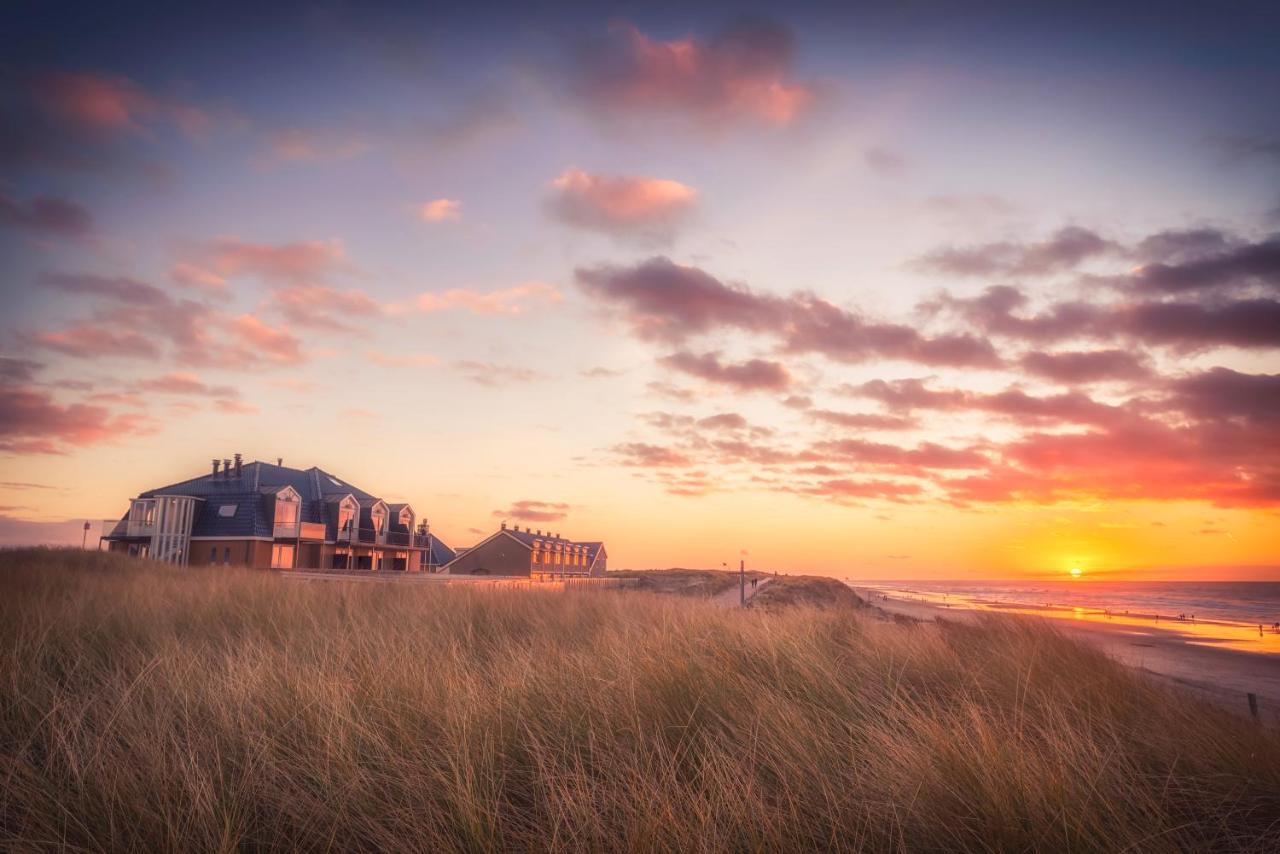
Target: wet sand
1223,675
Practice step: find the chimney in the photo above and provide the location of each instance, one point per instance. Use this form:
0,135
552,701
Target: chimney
237,465
539,532
556,535
215,467
226,468
504,526
280,461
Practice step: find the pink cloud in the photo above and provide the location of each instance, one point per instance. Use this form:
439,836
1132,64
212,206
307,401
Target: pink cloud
284,263
743,73
193,276
620,204
115,105
179,382
276,344
32,421
441,210
514,300
93,341
534,511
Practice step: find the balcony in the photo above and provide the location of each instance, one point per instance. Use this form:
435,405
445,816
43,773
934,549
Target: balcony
370,536
286,531
140,528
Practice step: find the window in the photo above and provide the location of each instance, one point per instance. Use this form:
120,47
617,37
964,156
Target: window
281,556
334,481
226,511
213,555
346,513
379,519
226,556
286,509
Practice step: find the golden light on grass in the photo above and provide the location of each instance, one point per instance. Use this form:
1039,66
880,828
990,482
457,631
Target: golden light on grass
150,708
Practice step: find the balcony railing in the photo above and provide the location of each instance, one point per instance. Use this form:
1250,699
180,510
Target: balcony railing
371,536
312,531
287,530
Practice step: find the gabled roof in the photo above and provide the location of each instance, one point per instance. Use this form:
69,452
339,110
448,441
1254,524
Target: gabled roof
529,538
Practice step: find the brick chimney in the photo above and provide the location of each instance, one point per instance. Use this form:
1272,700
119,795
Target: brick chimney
280,461
504,526
237,465
226,467
215,467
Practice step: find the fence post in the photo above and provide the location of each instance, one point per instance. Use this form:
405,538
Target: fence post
1253,705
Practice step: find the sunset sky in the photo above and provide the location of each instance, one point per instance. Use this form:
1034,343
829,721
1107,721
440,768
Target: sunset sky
883,291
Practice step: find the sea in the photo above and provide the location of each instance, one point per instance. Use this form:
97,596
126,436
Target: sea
1246,603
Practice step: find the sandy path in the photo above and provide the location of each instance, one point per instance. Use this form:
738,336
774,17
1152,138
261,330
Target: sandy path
1222,675
729,598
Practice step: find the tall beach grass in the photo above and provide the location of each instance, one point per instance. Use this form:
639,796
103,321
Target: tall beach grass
148,708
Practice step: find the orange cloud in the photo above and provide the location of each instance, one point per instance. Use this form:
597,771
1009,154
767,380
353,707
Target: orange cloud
439,210
515,300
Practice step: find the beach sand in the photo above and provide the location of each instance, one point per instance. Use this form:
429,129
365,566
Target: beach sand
1222,675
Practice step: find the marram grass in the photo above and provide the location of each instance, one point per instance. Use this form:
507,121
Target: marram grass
145,708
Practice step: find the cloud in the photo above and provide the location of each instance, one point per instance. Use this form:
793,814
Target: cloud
192,276
1221,393
885,161
600,373
643,455
46,215
33,422
1063,251
187,384
534,511
298,145
299,262
743,74
114,105
1183,326
1229,267
93,341
492,375
751,375
441,210
664,301
14,370
118,288
1013,404
513,300
397,360
1086,366
276,344
322,307
621,205
864,420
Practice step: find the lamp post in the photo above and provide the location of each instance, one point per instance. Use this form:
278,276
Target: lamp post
742,583
84,538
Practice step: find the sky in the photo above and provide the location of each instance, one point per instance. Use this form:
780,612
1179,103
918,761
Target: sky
872,290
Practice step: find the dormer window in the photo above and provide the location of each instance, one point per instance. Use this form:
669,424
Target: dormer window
287,508
379,515
346,514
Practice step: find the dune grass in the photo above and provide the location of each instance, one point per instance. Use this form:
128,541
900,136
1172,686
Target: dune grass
788,591
685,582
152,709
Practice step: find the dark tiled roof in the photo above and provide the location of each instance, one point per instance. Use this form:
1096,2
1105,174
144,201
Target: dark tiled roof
251,495
440,553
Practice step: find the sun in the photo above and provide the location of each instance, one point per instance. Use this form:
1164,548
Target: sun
1076,572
